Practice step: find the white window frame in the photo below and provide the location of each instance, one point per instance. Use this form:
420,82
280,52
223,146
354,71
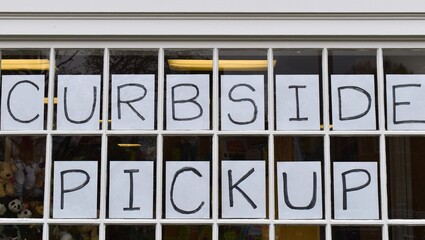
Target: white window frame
384,222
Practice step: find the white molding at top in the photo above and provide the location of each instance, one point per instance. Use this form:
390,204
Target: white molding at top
215,6
212,15
212,26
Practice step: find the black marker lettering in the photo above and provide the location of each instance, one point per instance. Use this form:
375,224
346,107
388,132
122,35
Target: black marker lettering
8,102
130,199
235,186
128,102
63,191
395,104
92,109
345,190
254,116
190,100
286,195
369,99
180,171
297,99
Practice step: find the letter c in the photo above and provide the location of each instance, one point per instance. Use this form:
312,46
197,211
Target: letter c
8,102
180,171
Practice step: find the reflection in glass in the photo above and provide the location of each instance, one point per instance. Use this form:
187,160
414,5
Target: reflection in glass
355,149
356,233
76,148
405,165
114,232
352,61
18,232
404,61
230,232
187,148
27,62
79,61
187,232
243,148
406,232
83,232
307,232
299,148
22,172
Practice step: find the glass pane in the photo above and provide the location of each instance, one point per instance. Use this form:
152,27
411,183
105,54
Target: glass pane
355,149
363,64
345,152
356,233
243,163
406,232
187,170
141,66
84,66
81,149
133,162
404,61
406,198
22,173
23,63
404,69
243,86
61,232
130,232
187,232
307,232
27,232
188,88
233,232
297,149
293,63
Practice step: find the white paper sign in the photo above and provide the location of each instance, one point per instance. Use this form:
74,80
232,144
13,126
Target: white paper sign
187,189
188,101
75,189
356,190
131,189
22,102
242,102
133,101
297,102
405,102
299,190
353,102
243,189
78,102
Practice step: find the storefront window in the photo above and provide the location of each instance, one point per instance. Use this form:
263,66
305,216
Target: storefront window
209,143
